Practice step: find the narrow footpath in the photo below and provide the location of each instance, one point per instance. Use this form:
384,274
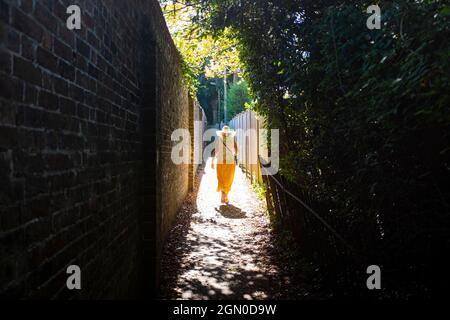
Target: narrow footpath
224,252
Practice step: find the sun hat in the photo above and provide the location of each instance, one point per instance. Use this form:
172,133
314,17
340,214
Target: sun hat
225,130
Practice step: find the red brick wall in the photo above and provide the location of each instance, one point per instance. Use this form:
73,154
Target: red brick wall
85,123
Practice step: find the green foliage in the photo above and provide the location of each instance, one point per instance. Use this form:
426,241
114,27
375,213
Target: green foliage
260,189
238,98
363,114
207,92
202,53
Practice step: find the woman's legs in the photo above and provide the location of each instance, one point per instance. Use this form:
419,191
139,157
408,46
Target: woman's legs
225,177
222,198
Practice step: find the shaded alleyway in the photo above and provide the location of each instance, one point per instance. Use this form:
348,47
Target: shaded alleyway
223,252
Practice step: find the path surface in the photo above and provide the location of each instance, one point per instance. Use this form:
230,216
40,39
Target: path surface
222,252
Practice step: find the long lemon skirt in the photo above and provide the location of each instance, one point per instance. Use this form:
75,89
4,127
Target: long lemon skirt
225,176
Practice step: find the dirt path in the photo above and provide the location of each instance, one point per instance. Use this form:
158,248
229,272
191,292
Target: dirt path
222,252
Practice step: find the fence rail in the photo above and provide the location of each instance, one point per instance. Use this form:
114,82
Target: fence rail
317,234
313,225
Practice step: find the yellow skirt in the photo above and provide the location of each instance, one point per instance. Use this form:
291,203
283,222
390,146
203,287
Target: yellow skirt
225,176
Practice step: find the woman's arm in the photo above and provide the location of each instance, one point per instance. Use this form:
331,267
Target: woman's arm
213,154
235,146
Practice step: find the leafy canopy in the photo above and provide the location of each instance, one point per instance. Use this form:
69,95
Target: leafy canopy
203,53
238,98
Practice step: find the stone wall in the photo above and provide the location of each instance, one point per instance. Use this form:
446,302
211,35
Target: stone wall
85,123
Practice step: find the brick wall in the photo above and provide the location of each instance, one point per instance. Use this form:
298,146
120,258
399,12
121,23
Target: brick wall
85,124
172,107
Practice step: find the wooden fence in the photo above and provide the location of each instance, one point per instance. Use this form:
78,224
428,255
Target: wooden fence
252,143
317,231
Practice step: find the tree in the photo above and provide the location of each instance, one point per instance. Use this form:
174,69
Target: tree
202,53
238,98
363,115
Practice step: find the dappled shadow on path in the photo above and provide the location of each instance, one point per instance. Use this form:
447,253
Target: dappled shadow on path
222,251
231,212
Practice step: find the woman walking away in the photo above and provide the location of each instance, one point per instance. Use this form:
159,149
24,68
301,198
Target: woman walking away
225,155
